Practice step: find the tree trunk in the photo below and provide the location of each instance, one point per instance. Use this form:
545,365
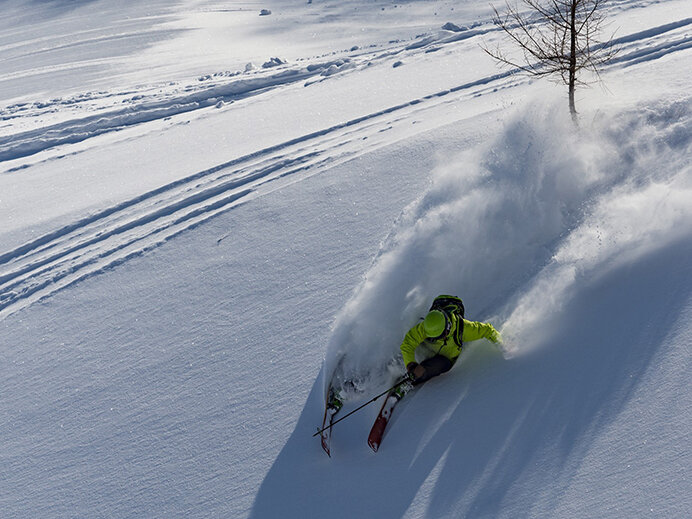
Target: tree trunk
573,58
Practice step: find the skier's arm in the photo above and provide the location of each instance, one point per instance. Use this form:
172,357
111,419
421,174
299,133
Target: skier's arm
474,330
413,338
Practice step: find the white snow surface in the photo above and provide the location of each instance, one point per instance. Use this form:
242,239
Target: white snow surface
208,213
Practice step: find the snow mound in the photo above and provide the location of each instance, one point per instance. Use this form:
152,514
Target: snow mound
513,228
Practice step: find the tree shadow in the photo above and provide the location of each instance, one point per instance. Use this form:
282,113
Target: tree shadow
491,437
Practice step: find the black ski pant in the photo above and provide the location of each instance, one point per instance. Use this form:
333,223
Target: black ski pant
434,366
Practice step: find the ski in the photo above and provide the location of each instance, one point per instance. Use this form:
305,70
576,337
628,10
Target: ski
378,428
332,406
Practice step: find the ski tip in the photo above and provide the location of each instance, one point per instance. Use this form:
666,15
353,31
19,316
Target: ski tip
374,445
326,449
325,446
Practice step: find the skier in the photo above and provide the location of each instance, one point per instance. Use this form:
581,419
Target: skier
441,334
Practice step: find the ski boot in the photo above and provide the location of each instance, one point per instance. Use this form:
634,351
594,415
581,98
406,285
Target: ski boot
334,401
402,389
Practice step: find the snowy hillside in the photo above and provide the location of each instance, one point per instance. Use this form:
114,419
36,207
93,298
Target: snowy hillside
205,208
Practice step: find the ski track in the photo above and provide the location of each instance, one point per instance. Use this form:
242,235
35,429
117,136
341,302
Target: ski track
46,265
40,268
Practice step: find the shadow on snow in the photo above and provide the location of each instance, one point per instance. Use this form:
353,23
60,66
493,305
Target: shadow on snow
491,437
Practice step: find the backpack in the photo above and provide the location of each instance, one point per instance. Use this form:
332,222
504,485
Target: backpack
451,305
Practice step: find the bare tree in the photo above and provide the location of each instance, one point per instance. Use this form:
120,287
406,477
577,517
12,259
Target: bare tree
556,38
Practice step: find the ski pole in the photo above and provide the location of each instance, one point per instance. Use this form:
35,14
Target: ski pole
362,406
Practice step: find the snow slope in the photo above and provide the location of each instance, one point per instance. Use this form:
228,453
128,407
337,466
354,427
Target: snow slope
190,243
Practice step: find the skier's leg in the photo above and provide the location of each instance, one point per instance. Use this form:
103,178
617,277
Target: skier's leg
434,366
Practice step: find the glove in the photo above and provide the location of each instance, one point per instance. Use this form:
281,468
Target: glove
496,337
415,370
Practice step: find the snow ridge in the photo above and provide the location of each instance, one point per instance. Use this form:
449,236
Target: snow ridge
98,113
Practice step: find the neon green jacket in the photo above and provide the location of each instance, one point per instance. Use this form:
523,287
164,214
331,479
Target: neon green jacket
472,331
